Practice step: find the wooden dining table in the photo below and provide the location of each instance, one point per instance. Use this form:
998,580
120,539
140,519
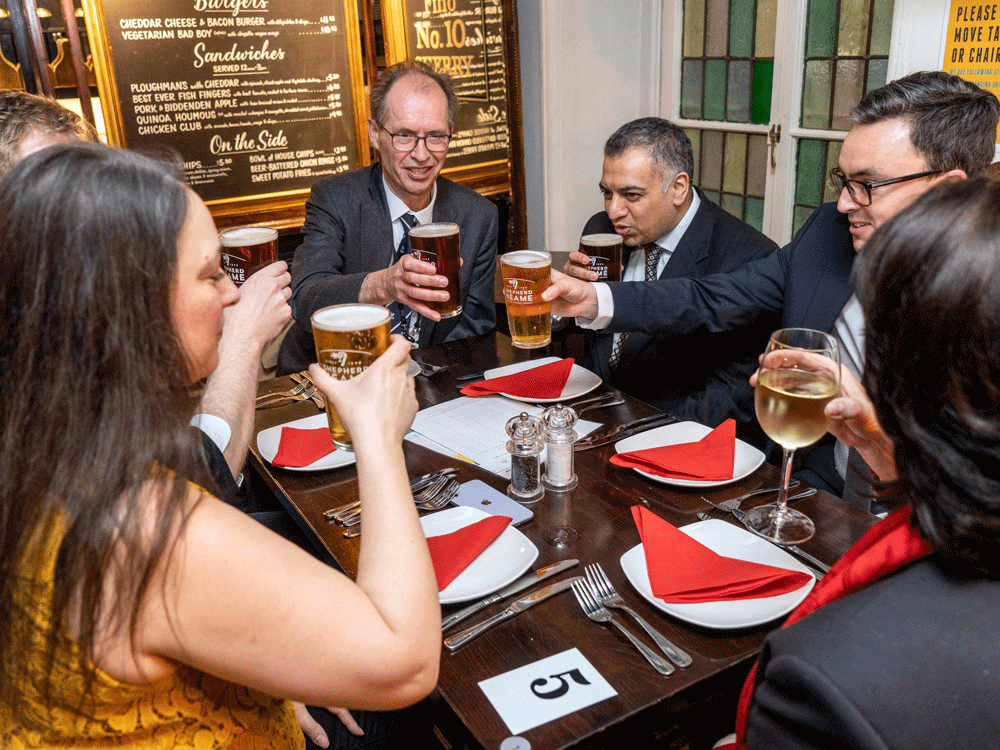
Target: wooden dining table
690,708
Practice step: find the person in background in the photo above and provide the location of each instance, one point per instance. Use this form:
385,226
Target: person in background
895,647
908,136
356,246
121,576
670,230
30,123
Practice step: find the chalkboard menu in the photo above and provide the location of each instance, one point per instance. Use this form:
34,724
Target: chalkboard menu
465,39
260,97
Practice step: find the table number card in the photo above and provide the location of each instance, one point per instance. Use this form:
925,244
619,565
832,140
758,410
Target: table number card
537,693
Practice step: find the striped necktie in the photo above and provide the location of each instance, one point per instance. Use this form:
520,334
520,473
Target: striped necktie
653,252
404,321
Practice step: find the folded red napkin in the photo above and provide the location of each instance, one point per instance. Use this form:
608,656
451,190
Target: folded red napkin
546,381
302,447
452,553
710,459
684,571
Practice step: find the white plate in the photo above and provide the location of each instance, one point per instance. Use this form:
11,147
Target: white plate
745,462
507,557
267,444
580,380
730,541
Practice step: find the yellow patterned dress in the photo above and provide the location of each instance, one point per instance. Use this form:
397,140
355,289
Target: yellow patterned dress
187,709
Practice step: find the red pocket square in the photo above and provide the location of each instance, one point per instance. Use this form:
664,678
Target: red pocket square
546,381
302,447
684,571
709,459
452,553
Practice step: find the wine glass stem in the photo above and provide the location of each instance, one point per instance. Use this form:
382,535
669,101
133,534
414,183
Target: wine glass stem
786,475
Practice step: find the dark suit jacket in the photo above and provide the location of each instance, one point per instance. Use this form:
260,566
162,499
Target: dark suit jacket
807,283
909,663
348,235
699,376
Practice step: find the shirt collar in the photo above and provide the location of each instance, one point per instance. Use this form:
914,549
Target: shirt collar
397,208
670,240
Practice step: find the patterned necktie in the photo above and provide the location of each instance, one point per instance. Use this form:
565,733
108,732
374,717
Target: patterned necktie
653,252
403,319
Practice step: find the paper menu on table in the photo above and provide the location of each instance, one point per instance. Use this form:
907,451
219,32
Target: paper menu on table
473,429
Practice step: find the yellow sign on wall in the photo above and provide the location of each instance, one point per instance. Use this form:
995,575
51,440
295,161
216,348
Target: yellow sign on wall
972,46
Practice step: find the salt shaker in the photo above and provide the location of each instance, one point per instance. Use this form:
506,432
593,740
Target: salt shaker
525,448
559,439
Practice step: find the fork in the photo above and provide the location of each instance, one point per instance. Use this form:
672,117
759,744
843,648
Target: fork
608,596
428,370
303,377
596,612
445,497
307,393
442,498
422,499
733,503
290,393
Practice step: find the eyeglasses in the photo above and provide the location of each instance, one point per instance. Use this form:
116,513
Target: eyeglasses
861,192
406,142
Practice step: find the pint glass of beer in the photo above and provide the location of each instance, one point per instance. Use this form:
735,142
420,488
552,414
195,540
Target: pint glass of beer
525,277
247,249
438,244
348,339
605,253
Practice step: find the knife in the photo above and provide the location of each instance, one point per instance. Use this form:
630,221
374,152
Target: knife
460,639
622,431
525,581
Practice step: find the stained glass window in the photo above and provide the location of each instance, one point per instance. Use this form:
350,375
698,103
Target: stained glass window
730,169
846,55
813,185
727,72
727,67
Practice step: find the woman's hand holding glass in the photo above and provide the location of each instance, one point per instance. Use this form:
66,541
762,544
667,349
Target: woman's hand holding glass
378,405
799,375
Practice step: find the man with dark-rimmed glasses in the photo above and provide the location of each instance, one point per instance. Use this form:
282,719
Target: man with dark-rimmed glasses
356,246
907,136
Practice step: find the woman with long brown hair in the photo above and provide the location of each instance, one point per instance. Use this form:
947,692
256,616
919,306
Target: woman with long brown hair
128,611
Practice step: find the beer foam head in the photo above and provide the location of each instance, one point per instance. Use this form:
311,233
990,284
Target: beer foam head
527,258
440,229
601,240
350,317
243,236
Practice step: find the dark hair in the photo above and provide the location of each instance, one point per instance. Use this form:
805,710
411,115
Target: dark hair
668,145
22,114
95,398
929,282
953,123
390,76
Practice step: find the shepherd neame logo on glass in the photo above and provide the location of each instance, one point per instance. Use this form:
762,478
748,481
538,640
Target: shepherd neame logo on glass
523,291
344,364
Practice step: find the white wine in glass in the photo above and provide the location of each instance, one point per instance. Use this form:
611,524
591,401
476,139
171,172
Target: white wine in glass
799,375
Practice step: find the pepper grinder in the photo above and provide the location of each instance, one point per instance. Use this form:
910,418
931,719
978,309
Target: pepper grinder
560,436
525,448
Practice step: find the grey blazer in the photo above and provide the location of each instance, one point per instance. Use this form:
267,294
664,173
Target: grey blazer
348,235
